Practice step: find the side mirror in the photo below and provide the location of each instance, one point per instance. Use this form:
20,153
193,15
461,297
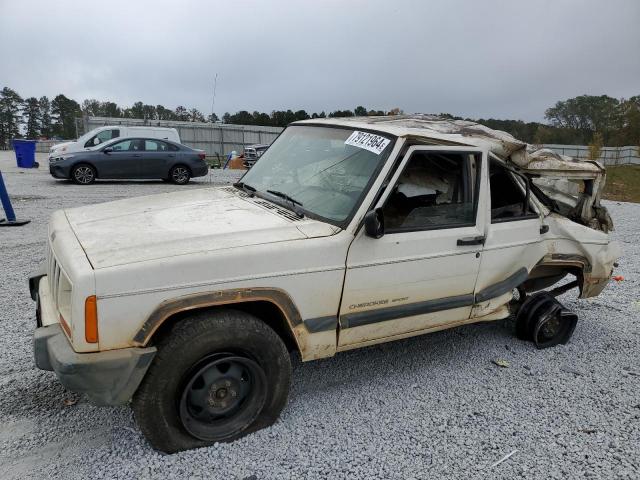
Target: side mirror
107,150
374,223
96,141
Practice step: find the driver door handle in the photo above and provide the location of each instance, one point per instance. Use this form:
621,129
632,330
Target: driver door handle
137,155
472,240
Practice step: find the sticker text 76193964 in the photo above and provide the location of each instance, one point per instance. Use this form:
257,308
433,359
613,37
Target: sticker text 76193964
368,141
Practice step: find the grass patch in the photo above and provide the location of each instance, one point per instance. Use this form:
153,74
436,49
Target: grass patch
623,183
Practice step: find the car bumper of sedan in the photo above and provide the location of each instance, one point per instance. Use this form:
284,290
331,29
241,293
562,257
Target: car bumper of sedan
200,171
58,171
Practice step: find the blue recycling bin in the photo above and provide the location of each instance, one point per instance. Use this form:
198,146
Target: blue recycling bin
25,153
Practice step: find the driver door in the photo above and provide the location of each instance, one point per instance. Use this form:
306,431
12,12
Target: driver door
421,274
123,160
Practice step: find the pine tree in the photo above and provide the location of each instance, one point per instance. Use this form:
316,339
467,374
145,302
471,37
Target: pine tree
10,115
65,111
45,117
33,117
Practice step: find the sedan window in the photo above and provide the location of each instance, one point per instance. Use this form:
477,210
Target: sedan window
155,146
122,146
129,145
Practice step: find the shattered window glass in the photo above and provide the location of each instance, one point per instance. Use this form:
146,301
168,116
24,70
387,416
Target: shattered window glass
321,168
434,190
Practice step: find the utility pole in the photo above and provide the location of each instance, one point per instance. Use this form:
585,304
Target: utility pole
213,100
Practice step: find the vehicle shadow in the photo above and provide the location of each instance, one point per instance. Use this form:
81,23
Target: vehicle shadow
98,181
452,350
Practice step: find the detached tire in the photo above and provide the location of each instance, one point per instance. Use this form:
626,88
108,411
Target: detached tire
543,320
83,174
179,174
217,376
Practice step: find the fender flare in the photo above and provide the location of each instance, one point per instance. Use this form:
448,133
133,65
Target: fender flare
195,301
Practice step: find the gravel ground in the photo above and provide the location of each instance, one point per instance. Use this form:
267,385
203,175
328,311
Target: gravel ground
432,406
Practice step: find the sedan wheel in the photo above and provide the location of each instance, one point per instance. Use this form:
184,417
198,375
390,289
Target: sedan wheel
180,175
83,174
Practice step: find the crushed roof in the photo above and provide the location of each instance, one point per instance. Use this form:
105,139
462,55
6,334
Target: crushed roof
464,132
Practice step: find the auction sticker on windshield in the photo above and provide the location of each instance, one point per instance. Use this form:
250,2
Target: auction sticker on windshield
368,141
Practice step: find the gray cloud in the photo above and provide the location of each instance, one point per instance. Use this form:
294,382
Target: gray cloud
503,59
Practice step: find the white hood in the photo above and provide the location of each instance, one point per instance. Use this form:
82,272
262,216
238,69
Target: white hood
159,226
59,146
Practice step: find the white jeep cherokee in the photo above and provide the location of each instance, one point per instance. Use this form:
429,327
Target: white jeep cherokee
346,233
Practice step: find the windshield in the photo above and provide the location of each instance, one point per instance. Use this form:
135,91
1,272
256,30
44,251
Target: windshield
318,170
88,135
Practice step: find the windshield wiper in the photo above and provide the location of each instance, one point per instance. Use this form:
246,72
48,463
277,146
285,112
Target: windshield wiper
246,188
286,197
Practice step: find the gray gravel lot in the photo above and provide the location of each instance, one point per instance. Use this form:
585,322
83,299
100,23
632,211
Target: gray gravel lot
433,406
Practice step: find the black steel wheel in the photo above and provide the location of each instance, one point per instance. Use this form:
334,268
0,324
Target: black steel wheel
180,174
543,320
223,395
217,375
83,174
555,327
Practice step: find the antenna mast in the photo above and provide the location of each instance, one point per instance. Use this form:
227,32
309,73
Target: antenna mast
213,100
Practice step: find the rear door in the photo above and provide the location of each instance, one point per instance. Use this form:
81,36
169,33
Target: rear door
513,242
155,159
421,274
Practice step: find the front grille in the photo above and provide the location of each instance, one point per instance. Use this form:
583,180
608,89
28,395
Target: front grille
53,274
60,286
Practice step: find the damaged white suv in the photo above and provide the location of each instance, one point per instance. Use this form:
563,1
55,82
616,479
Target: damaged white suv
346,233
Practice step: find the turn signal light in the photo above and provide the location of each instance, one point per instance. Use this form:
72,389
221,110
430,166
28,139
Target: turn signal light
91,319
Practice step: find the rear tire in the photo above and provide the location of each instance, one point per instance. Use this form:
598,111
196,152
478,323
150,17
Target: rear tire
83,174
217,376
543,320
179,174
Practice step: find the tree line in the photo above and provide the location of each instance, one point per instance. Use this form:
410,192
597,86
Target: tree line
577,121
581,120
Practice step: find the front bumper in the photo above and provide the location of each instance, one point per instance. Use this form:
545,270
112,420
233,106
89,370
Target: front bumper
107,378
58,171
110,377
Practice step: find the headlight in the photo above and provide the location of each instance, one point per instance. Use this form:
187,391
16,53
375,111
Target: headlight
58,159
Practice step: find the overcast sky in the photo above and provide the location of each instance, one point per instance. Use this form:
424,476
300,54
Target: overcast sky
489,58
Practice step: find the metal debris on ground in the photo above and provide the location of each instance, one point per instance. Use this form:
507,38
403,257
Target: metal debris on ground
501,363
506,457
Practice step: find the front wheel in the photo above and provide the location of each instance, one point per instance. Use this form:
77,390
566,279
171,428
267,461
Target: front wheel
216,377
179,174
83,174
